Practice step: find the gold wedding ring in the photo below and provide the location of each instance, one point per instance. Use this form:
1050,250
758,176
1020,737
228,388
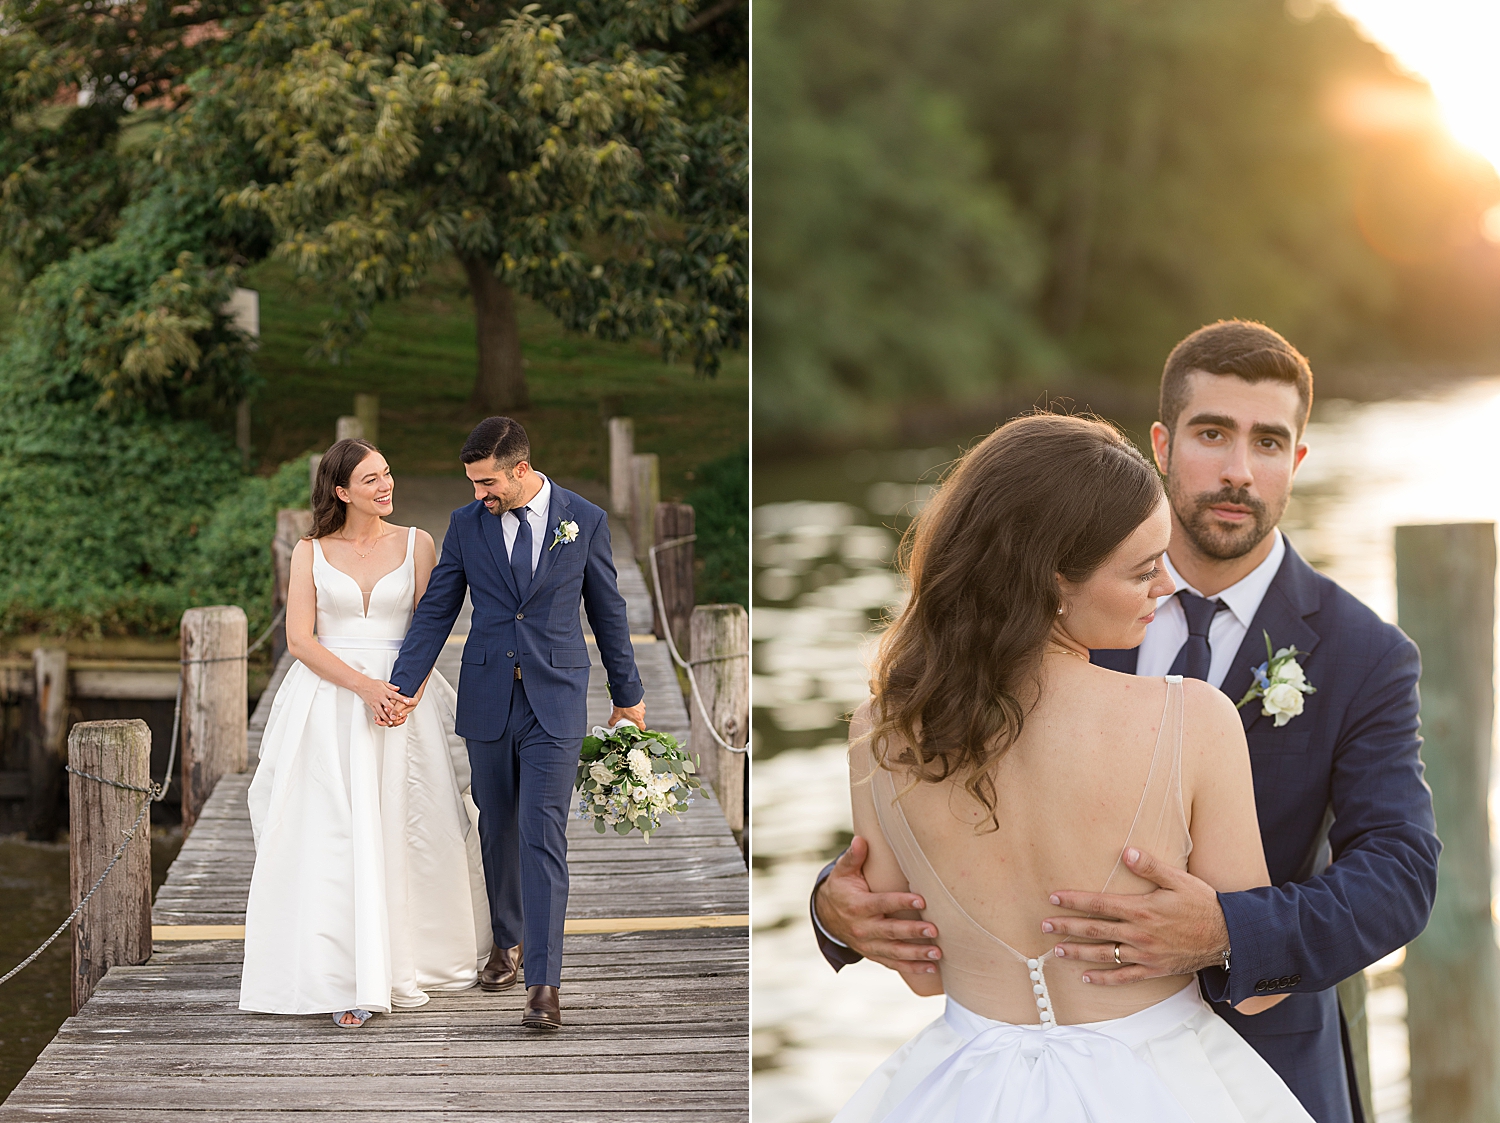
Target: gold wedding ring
1118,963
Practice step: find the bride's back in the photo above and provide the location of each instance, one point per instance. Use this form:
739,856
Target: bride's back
1097,767
1023,770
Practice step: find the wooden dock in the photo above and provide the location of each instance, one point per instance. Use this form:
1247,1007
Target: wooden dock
655,988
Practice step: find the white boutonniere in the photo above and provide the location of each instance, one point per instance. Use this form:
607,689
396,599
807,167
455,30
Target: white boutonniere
1280,684
566,532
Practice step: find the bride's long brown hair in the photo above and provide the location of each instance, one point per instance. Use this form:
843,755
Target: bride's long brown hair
1042,495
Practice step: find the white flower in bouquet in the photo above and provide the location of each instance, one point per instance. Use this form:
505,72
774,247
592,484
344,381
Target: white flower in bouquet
1283,702
601,772
664,781
640,764
639,795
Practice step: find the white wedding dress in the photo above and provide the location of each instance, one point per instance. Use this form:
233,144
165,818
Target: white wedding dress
1175,1061
368,890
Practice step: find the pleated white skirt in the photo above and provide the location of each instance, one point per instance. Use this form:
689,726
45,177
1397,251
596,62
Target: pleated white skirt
1174,1062
368,889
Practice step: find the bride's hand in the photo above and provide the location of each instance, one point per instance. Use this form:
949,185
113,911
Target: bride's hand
383,700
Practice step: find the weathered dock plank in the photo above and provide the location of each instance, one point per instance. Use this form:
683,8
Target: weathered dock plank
656,1021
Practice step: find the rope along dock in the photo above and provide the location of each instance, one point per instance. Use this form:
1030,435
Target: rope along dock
655,993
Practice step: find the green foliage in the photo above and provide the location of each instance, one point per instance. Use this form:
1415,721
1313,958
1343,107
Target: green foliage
721,517
137,323
887,264
541,143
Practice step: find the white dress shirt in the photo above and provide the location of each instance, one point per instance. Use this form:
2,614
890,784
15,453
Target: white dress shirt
1169,631
537,509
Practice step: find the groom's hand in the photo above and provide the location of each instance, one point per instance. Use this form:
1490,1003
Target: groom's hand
635,713
1176,929
864,921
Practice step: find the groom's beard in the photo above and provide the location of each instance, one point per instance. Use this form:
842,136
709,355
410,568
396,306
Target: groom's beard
1213,538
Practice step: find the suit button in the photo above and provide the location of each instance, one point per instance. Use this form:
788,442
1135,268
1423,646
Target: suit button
520,616
1296,979
1261,985
510,654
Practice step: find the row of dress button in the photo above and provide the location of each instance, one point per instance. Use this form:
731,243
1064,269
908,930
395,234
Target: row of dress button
1039,988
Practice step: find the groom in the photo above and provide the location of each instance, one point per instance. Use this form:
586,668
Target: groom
1345,817
527,551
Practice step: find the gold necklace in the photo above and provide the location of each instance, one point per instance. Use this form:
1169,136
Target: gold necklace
355,548
1056,648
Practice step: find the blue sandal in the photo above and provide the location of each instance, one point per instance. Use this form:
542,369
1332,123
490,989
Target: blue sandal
362,1015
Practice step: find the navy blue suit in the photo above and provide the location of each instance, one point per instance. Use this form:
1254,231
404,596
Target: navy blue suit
1347,825
524,733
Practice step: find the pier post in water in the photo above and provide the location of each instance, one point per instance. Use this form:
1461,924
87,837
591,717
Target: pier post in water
645,494
115,926
48,751
1445,587
348,428
621,471
215,703
721,668
675,568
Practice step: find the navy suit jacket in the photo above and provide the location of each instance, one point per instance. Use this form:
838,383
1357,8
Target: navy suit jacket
1347,825
540,631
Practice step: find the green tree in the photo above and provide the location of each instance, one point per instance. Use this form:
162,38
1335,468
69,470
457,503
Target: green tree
546,149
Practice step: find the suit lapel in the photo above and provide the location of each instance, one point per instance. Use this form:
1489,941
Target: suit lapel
557,512
494,538
1292,595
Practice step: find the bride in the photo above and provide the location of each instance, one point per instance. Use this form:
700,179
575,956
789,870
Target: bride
368,892
995,764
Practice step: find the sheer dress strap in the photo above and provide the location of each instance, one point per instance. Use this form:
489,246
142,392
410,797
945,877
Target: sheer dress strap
919,872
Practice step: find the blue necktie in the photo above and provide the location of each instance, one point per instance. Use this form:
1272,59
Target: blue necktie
520,551
1194,657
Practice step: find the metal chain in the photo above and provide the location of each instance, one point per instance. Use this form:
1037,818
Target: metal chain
154,792
666,627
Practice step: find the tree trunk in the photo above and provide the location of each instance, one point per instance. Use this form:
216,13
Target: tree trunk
500,383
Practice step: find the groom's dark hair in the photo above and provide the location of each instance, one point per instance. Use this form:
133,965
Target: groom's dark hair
1242,348
500,437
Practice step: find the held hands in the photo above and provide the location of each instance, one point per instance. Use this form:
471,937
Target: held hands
850,913
1176,929
394,707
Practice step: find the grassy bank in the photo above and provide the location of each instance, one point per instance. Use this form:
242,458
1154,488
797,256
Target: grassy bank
420,357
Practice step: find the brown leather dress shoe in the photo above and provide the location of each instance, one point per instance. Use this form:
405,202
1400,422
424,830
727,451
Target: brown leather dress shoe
542,1010
501,972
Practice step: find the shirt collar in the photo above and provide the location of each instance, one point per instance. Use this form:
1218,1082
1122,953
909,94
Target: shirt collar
540,503
1245,595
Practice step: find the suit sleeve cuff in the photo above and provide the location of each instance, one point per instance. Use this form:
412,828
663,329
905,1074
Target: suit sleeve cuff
838,955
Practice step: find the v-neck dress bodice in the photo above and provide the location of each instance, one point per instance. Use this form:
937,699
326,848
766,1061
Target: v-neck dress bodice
341,602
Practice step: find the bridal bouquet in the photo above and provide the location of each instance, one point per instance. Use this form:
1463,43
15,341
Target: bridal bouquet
628,778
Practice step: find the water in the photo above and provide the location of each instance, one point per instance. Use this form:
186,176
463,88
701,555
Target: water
825,532
34,900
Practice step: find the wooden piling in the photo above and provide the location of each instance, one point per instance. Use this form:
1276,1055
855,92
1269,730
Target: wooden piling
348,428
367,409
114,928
292,525
721,668
621,469
49,749
215,702
312,474
645,493
1445,589
675,568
